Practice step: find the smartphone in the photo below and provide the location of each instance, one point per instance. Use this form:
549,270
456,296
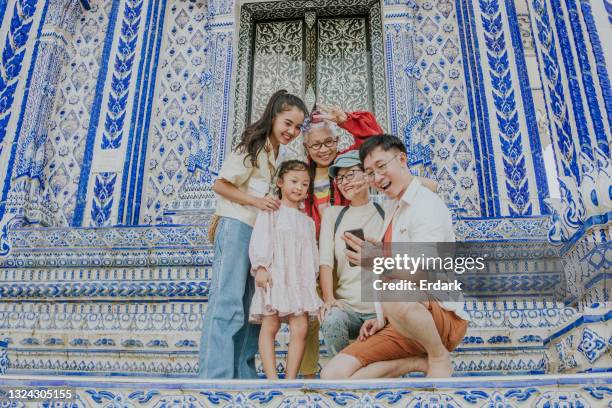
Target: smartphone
358,232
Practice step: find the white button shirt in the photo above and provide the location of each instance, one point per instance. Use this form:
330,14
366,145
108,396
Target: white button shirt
420,215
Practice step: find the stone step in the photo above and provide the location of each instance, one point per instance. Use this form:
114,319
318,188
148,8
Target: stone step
513,317
592,390
151,263
169,347
171,353
184,363
163,337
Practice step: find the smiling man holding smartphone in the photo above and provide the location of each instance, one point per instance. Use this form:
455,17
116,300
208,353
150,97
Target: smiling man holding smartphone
420,334
344,312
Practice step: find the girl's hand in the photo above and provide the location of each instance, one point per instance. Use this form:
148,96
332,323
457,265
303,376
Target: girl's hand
368,328
263,278
333,114
267,203
326,308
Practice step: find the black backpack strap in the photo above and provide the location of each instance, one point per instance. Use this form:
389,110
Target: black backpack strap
343,211
339,219
380,210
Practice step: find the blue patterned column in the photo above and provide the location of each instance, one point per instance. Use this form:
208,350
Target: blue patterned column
117,123
409,115
20,20
509,137
27,197
427,99
399,22
575,76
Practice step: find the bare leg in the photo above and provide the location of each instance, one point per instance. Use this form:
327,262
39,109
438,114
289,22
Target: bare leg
267,334
413,320
392,368
310,361
340,367
298,328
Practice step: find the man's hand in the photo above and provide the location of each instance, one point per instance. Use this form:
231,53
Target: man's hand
369,328
263,278
327,307
356,244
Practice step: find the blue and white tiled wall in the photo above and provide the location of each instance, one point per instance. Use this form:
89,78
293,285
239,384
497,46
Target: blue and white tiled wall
142,102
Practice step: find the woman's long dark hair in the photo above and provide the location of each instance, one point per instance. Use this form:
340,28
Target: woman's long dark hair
254,136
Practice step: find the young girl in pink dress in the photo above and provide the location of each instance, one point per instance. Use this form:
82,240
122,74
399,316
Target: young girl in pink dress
285,264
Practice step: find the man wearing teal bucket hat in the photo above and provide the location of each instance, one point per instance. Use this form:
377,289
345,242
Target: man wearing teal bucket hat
344,313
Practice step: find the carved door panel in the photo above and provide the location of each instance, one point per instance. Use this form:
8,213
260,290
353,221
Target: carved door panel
343,73
278,62
324,60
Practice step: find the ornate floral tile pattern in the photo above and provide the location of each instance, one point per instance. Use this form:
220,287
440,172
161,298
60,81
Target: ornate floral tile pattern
523,392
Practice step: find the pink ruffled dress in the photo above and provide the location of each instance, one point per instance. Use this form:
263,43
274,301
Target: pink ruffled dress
284,243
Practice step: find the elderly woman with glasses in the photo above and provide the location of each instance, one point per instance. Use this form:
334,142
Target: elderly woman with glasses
322,148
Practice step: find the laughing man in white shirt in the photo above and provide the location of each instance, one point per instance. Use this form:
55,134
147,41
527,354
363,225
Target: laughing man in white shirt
420,334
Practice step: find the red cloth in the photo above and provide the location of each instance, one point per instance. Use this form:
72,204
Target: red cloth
388,234
387,239
361,125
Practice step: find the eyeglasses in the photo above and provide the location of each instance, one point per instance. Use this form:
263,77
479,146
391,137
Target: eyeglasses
380,169
348,176
327,143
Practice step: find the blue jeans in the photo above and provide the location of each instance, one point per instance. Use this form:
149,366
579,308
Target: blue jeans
229,343
340,326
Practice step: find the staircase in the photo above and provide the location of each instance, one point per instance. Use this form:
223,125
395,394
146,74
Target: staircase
126,303
572,391
163,338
